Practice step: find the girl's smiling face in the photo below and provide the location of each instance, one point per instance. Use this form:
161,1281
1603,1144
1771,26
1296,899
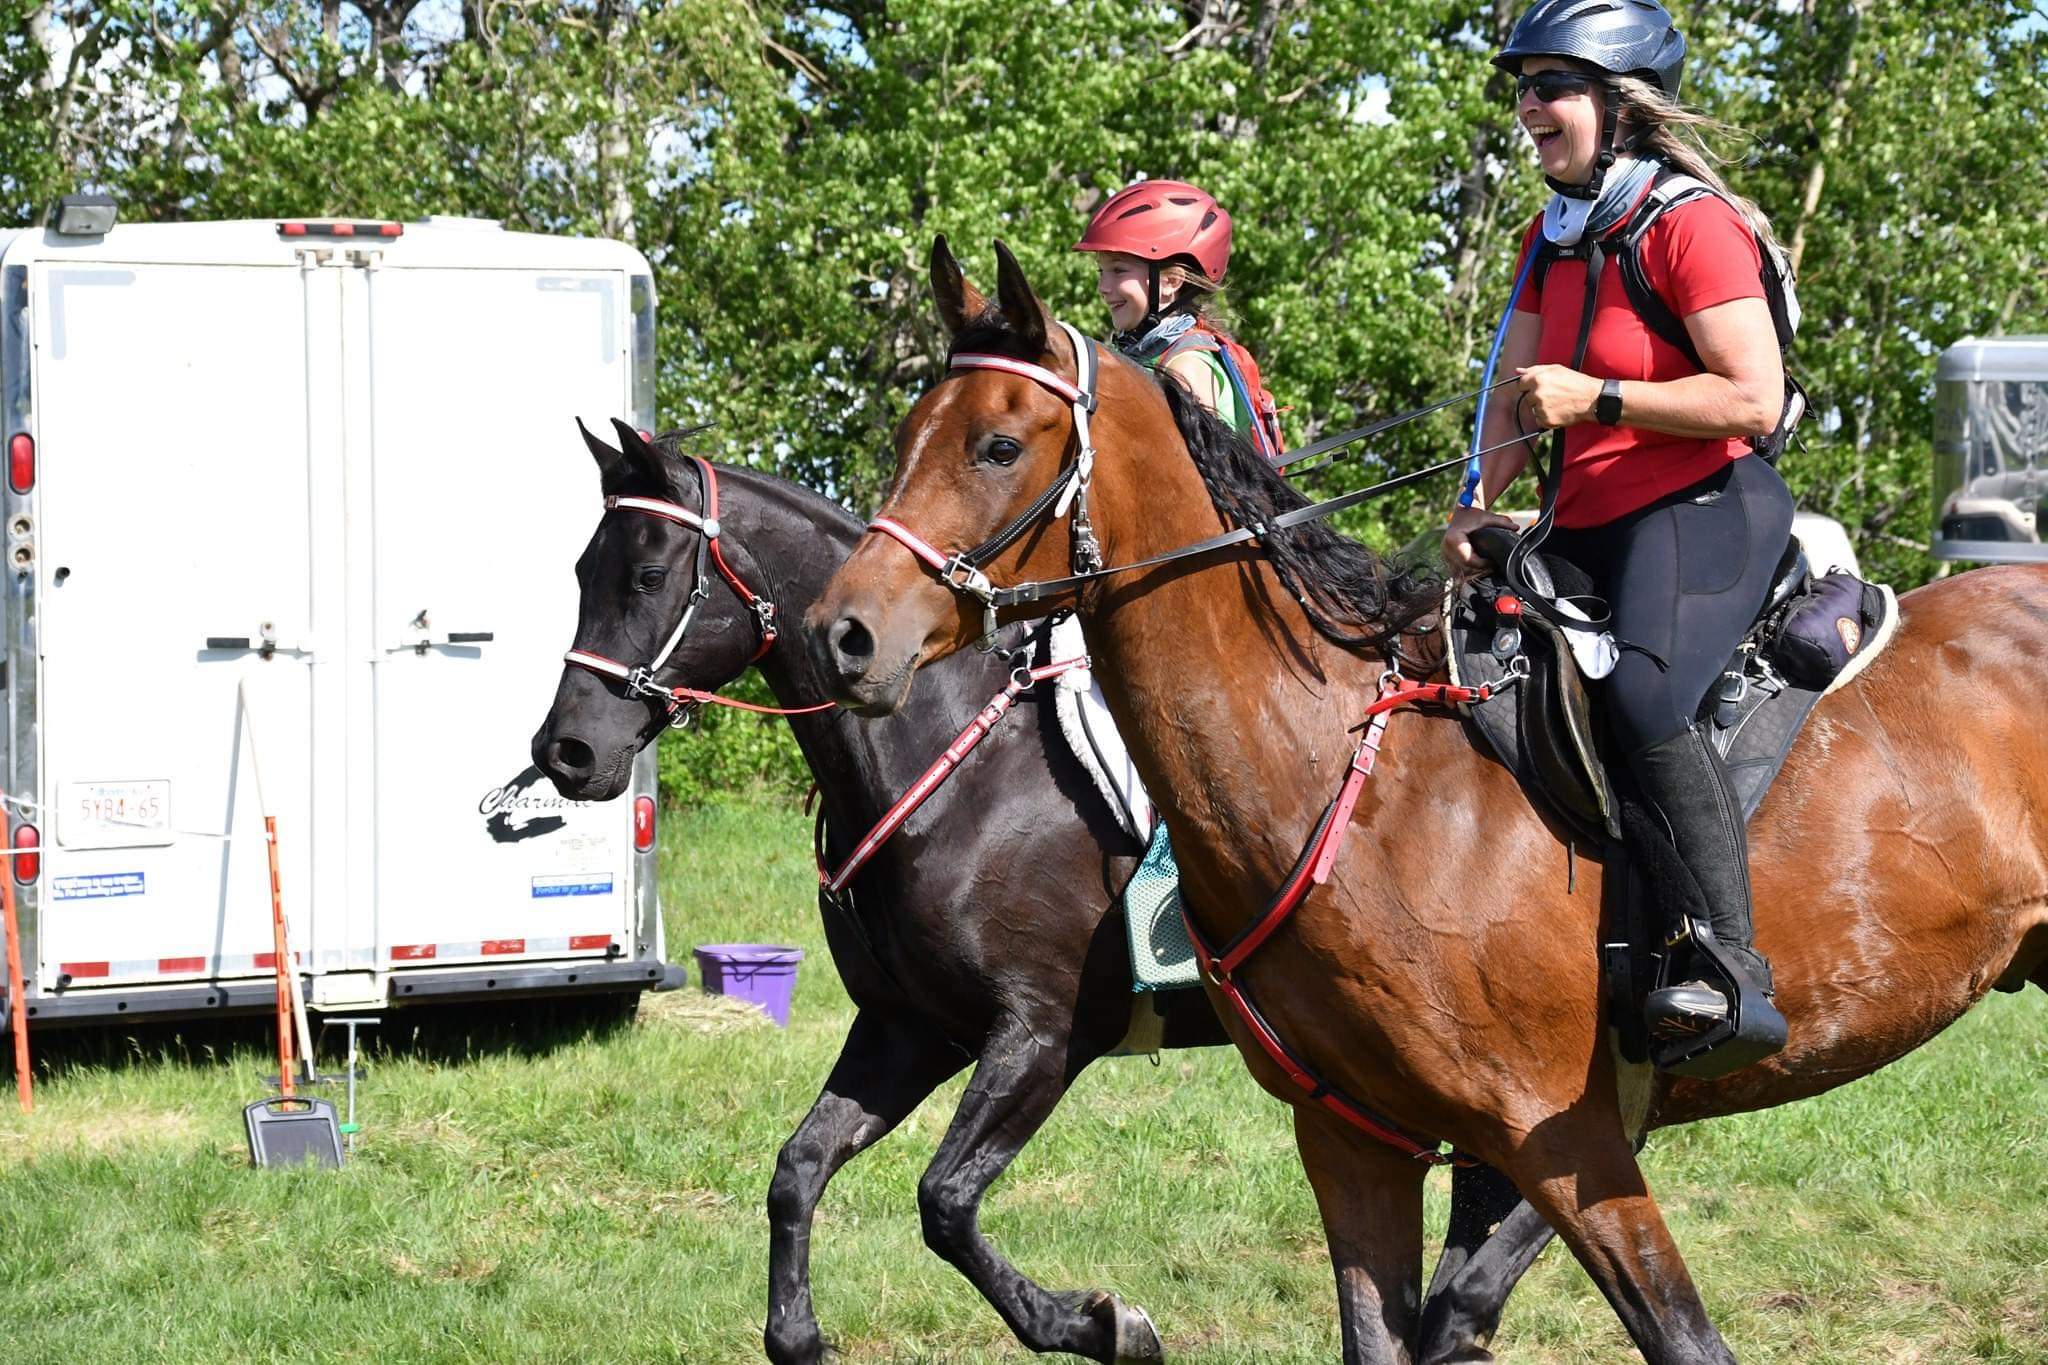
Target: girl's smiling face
1566,128
1120,280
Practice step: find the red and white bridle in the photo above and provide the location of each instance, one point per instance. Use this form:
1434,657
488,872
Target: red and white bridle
963,572
640,682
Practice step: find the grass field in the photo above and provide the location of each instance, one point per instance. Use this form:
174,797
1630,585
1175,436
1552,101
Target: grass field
569,1197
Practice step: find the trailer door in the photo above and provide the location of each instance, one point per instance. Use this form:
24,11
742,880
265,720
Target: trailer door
176,610
482,497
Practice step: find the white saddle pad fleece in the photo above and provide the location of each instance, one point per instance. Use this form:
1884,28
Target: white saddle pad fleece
1091,734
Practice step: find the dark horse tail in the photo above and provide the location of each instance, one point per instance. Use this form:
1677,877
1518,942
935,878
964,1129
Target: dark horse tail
1337,581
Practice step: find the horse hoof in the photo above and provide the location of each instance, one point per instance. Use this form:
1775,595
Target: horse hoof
1463,1353
1137,1340
800,1348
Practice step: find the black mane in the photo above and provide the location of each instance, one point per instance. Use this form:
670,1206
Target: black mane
1335,578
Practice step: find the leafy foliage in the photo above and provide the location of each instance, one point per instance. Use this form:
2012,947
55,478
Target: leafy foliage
784,168
726,754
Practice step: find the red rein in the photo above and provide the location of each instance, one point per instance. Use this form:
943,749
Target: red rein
935,776
1312,869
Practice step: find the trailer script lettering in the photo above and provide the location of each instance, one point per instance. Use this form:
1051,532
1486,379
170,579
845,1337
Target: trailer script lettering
574,884
97,887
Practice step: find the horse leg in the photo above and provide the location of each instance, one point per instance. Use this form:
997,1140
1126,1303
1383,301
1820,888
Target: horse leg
885,1069
1371,1201
1021,1078
1587,1184
1493,1240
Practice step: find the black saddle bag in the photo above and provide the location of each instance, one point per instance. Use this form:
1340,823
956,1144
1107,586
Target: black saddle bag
1824,628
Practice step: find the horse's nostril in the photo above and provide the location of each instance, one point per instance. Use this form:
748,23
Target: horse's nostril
571,756
851,641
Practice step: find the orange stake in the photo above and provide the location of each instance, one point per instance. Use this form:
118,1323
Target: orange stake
17,994
284,989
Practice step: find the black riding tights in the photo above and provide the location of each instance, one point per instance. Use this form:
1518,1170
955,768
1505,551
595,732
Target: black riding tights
1685,578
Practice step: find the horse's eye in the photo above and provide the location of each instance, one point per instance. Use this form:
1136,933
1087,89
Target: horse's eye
1001,450
651,578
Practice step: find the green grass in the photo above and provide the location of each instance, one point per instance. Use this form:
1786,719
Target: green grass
599,1197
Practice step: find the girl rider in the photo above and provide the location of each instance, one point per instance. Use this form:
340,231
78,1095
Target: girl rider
1163,247
1658,499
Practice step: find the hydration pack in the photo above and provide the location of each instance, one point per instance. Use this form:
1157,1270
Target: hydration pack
1263,414
1667,191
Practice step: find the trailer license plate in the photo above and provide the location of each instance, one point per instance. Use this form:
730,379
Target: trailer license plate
114,814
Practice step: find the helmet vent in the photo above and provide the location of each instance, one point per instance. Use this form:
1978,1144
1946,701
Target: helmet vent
1134,212
1207,219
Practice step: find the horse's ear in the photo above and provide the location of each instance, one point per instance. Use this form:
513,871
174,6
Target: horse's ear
959,302
641,456
1021,308
611,464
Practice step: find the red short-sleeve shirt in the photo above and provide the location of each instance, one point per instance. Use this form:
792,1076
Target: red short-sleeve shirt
1696,256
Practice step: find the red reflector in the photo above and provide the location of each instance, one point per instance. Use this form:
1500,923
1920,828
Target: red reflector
643,823
168,965
28,858
494,947
267,962
303,229
582,942
411,952
21,462
77,969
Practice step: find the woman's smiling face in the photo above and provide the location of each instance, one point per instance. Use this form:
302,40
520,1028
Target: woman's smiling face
1566,130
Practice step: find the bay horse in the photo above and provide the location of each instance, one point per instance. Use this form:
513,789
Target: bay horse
1444,978
986,932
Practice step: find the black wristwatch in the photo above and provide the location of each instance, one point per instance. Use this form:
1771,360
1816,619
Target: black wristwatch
1607,407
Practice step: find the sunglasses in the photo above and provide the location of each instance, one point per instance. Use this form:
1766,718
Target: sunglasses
1552,86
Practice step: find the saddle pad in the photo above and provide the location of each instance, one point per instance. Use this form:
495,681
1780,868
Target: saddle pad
1086,725
1162,955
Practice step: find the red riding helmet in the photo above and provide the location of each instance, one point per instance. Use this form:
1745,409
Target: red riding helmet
1156,220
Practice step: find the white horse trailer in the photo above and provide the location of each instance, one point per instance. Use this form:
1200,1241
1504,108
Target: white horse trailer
1991,449
297,504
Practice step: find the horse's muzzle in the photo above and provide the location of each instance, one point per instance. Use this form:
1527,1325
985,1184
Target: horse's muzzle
577,770
848,656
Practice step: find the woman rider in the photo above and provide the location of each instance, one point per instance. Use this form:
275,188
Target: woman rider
1163,247
1659,499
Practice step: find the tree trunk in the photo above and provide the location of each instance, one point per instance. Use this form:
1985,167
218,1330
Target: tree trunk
1830,134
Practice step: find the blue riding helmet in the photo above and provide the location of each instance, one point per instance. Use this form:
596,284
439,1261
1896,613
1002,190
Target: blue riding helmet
1621,37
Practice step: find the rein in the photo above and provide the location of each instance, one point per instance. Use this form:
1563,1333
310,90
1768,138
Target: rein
640,682
963,572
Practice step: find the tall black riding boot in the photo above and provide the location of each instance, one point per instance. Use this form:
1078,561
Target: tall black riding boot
1688,785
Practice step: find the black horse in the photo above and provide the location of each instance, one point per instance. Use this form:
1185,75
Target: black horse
987,931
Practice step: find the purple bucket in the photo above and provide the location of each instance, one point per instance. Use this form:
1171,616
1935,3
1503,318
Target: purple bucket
759,973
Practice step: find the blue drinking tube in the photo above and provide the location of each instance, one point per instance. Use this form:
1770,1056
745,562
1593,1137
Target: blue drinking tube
1467,495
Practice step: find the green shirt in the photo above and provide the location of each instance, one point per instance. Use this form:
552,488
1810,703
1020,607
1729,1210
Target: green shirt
1227,406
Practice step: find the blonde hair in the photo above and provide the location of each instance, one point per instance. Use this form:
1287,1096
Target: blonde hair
1199,295
1653,122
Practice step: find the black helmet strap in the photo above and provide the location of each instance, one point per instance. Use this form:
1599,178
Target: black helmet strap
1610,123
